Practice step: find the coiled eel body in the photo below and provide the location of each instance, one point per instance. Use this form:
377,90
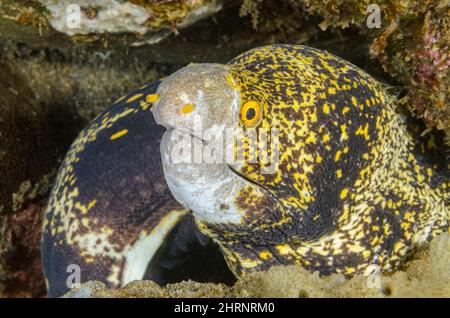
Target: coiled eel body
354,188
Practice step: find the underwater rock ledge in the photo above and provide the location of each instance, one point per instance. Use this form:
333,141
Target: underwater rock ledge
425,275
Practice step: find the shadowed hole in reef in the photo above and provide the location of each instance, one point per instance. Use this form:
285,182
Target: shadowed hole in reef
188,254
387,291
303,294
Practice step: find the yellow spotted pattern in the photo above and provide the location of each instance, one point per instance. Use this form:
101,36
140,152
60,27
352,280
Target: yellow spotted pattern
352,192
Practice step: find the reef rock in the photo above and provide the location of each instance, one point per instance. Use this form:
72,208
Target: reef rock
426,275
154,20
31,144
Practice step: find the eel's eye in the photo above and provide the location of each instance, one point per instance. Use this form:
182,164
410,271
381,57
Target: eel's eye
250,113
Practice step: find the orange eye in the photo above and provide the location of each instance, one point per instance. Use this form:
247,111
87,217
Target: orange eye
250,113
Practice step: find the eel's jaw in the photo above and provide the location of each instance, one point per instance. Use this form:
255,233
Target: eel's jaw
208,189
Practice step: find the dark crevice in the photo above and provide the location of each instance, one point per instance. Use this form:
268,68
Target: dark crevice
187,254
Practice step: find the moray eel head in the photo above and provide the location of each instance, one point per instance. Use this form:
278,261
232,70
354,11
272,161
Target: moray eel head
322,172
260,183
198,105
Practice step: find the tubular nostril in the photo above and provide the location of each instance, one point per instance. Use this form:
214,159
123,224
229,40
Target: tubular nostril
188,108
166,112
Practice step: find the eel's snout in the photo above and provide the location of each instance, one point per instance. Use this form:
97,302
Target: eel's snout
177,104
174,109
196,98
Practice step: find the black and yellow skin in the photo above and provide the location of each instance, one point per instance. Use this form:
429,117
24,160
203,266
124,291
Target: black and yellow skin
356,189
109,195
